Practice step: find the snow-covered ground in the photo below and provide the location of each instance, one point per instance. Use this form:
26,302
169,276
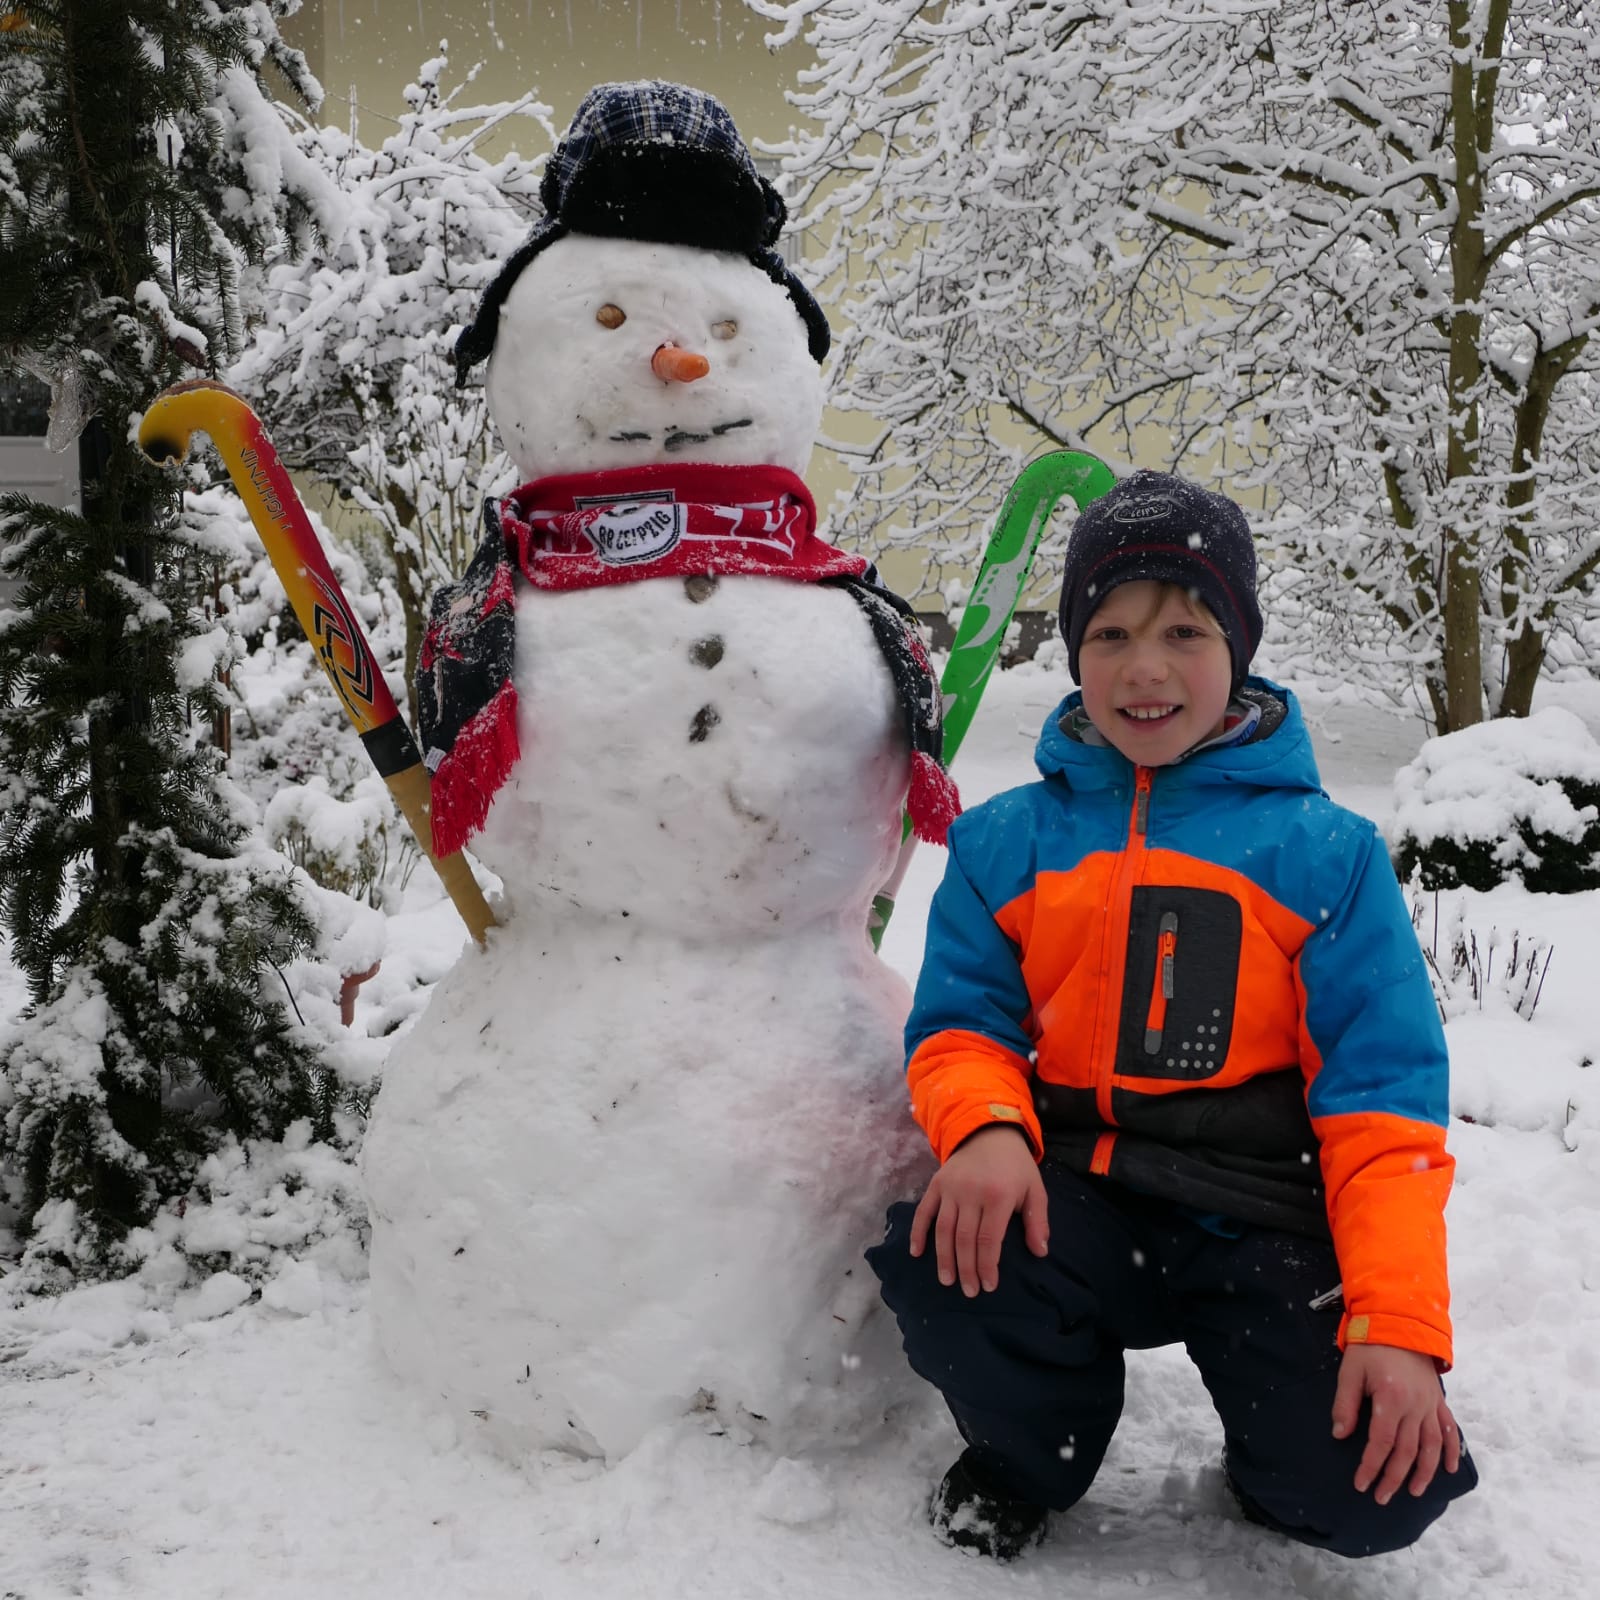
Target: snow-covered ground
215,1446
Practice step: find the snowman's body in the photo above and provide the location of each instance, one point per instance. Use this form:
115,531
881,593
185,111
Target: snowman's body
626,1163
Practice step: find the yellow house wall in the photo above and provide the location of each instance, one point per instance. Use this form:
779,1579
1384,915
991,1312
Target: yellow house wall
561,48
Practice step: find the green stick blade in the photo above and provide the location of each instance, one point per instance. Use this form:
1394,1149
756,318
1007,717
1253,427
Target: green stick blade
1007,562
1002,576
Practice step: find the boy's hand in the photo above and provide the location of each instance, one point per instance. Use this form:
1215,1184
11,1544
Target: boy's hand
974,1196
1411,1424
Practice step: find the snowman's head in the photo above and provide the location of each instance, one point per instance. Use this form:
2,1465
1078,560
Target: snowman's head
648,318
620,353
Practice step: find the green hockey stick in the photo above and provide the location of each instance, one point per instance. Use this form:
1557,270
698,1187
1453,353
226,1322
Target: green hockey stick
1007,560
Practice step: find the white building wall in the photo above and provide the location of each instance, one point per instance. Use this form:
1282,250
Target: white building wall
47,475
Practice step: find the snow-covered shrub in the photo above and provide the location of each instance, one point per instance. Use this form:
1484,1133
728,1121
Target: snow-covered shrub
1051,655
278,1219
351,362
1500,800
345,844
223,935
254,1207
294,751
222,1202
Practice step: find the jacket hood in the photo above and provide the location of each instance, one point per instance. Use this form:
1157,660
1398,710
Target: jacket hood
1279,759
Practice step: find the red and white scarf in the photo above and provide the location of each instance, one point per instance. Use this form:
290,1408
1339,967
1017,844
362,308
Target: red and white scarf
591,528
585,530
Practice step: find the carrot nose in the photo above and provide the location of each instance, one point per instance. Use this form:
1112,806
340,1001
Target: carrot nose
672,365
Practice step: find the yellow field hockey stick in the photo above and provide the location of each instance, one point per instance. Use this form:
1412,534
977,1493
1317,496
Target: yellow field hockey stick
319,602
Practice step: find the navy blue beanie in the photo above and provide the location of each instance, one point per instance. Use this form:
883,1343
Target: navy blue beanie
1154,526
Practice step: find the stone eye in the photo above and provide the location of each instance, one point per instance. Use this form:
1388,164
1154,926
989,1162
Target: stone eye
610,316
725,329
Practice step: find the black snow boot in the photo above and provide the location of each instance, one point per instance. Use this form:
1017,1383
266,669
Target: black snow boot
968,1515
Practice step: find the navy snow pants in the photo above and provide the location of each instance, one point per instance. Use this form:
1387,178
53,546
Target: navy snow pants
1033,1371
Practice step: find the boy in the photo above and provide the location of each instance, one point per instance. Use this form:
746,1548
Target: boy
1175,1047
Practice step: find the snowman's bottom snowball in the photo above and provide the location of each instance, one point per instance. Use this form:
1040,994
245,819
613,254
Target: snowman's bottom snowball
614,1179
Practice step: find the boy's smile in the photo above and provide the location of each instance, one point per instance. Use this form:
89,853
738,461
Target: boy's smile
1156,672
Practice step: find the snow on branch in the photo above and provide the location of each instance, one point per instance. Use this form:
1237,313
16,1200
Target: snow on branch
1311,252
351,359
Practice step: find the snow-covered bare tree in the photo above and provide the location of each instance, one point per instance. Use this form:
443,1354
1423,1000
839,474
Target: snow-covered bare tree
1346,256
351,364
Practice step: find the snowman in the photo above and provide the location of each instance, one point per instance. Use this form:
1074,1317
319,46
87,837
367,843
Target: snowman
624,1166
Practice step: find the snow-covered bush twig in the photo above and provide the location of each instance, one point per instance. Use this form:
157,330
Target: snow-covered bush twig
1464,973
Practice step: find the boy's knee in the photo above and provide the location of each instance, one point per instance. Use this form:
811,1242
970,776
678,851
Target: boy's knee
995,1346
910,1284
1368,1529
1337,1517
903,1276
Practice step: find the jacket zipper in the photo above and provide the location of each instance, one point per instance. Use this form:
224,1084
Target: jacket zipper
1161,990
1118,904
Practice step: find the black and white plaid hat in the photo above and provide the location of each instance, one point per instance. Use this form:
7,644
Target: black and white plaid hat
655,161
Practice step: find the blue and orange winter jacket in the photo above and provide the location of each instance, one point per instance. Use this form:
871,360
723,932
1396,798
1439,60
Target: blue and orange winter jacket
1201,981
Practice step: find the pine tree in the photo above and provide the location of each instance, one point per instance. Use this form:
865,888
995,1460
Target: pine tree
142,171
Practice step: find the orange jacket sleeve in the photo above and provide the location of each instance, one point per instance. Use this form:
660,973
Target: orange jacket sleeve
968,1037
1377,1088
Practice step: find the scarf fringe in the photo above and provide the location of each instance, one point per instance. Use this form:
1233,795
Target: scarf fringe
934,802
480,760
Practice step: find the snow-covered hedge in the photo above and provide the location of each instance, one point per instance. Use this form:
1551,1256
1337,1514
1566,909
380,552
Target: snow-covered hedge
1507,799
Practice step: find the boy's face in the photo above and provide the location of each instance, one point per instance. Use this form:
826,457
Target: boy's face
1156,672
